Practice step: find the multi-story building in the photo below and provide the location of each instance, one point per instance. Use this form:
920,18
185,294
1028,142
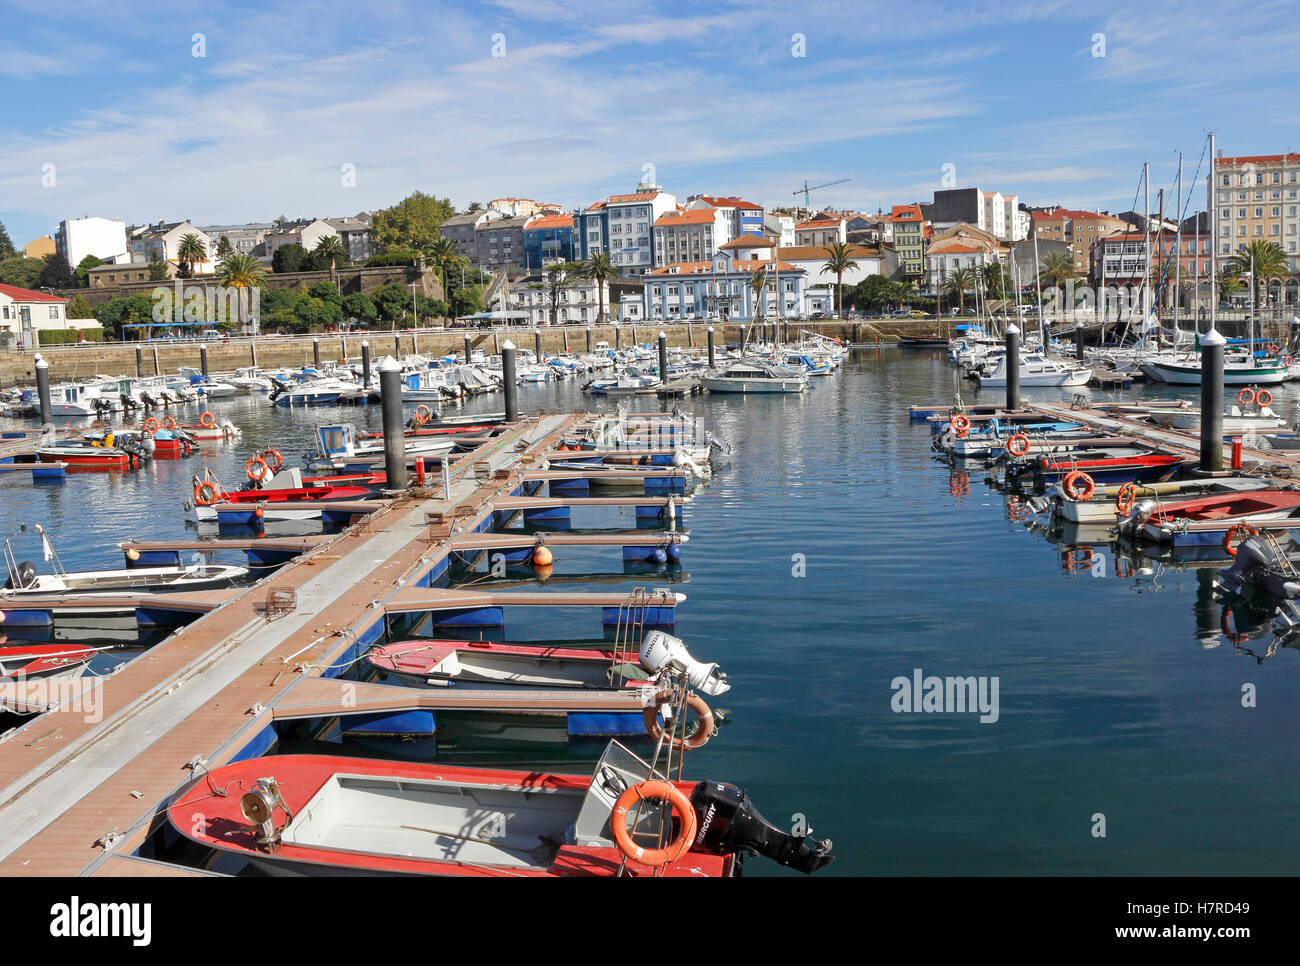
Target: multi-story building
621,226
719,289
1257,197
780,228
245,239
1180,264
959,247
998,214
824,228
692,235
104,238
522,207
354,232
460,230
499,244
578,302
306,232
743,217
1078,229
911,232
40,247
162,242
548,239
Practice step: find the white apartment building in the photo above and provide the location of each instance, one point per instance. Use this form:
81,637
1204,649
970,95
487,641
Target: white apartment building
692,235
578,302
307,233
1257,197
104,238
162,241
631,218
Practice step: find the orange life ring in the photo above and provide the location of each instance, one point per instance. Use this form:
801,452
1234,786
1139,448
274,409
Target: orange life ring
1078,486
1126,497
205,494
660,791
1232,532
1260,397
1018,449
151,425
959,424
423,413
1287,361
207,420
702,734
256,461
1246,396
279,460
1274,348
168,423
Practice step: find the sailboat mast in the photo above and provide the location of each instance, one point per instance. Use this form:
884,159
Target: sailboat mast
1146,244
1178,244
1209,207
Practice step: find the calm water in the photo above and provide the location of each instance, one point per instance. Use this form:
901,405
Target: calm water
1117,696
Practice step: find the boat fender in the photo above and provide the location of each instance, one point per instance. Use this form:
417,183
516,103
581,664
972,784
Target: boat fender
542,556
654,790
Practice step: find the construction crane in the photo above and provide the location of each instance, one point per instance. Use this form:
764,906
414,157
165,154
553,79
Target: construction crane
805,189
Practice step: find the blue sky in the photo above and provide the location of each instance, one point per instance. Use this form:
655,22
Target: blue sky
588,93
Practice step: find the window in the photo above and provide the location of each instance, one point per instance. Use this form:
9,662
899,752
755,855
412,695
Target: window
1277,211
54,311
1241,212
1275,230
1277,176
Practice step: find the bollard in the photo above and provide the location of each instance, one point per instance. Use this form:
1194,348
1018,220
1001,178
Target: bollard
1012,366
565,333
390,392
1236,452
663,358
415,344
446,477
634,342
397,346
419,471
537,344
618,336
139,361
588,338
365,363
157,369
343,347
203,360
690,335
1078,340
43,390
1212,344
510,381
315,353
743,336
713,362
252,351
468,345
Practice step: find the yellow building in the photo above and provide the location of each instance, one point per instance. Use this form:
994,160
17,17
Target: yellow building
39,247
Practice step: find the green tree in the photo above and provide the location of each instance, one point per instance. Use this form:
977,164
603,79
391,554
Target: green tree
157,268
411,223
559,277
600,270
996,281
7,249
1229,285
902,292
190,252
1057,268
873,292
83,268
20,271
474,208
758,285
224,248
467,300
359,306
840,260
288,258
446,259
330,251
57,273
1265,258
242,271
959,283
79,308
392,302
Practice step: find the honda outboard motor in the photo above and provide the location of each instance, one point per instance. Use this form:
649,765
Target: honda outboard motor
26,574
728,822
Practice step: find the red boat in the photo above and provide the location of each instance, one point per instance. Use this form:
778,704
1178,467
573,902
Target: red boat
318,815
1205,520
1144,468
84,457
28,670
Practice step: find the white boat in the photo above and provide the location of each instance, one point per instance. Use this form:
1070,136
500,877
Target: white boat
755,377
250,379
1036,371
1234,420
1183,369
630,382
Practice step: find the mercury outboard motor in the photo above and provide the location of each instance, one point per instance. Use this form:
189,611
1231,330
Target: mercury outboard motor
1260,563
728,822
26,574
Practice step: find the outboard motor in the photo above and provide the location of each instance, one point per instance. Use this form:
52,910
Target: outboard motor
280,387
660,651
1138,517
1258,563
728,822
25,573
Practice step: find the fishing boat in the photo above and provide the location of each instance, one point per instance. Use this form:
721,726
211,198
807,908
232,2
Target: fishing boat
1101,468
1204,521
319,815
1107,499
1234,420
487,665
755,377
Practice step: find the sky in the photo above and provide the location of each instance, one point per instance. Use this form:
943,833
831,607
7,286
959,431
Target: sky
222,113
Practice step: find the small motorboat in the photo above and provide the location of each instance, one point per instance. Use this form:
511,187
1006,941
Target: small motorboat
27,670
86,455
1106,500
1205,521
286,495
756,377
1234,420
630,382
1100,467
319,815
481,664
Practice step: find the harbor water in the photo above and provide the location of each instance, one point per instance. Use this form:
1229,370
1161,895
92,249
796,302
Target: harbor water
836,561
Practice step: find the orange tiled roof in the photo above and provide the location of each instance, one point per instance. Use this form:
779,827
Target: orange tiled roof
551,221
747,241
905,213
730,202
27,295
1255,159
696,216
706,268
642,196
806,253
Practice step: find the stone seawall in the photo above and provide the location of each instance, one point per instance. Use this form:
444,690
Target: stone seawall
112,359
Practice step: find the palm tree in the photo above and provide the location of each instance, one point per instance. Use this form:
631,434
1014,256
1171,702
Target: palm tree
330,247
444,254
191,250
1057,268
240,271
996,280
1265,259
902,291
839,262
961,280
600,270
758,285
1228,285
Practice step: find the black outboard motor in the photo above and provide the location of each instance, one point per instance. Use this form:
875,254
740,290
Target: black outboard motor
280,387
728,822
26,574
1259,564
